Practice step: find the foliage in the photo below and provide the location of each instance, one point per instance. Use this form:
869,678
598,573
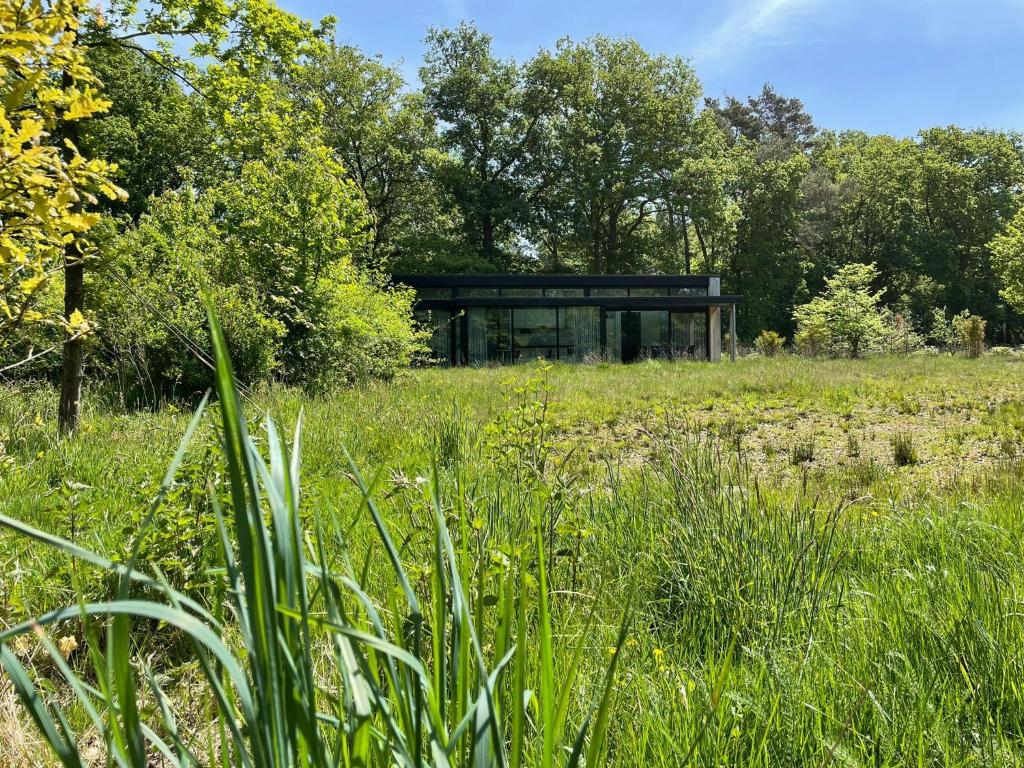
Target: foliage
971,331
45,181
151,334
1008,260
899,336
387,141
155,132
963,332
769,343
277,250
845,318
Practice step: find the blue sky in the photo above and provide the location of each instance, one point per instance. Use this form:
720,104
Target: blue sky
890,66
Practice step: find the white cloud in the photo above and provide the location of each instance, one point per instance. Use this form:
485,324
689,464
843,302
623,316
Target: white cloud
754,23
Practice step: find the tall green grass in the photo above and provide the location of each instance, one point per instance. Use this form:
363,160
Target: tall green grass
845,612
300,665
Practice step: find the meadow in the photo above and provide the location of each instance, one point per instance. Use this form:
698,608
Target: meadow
813,562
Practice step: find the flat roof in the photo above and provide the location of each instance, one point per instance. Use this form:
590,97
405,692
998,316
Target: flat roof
608,302
554,281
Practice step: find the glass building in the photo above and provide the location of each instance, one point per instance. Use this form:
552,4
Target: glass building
482,319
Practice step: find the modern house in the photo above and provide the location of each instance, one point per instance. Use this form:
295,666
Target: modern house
480,319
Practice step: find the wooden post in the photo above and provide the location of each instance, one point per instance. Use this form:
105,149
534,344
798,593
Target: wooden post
732,332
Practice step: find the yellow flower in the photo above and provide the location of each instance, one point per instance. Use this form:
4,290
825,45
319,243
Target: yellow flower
66,645
40,454
659,655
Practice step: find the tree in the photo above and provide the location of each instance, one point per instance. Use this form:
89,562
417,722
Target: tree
1008,260
244,40
153,131
492,114
386,140
43,184
764,264
846,316
640,167
769,119
770,137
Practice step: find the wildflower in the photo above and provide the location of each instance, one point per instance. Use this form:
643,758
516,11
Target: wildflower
66,645
659,655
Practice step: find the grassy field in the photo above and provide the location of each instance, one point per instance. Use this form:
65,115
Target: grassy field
822,559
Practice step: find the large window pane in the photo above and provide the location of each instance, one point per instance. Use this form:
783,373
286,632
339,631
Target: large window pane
563,291
439,325
476,292
489,335
535,333
607,291
648,291
613,336
654,340
579,333
522,291
689,335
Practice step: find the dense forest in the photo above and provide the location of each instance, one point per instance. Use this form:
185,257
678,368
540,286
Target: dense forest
288,176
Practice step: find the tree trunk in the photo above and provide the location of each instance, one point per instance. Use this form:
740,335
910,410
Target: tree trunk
708,266
687,255
69,409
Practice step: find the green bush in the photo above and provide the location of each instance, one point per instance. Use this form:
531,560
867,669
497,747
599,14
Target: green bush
845,319
279,252
151,324
357,328
769,343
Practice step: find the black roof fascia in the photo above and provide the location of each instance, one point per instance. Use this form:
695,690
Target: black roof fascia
608,302
551,281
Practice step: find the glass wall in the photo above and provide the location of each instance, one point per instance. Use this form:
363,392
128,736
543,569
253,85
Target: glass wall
654,339
503,335
579,333
521,334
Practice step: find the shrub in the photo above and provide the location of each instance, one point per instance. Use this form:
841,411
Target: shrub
278,251
811,341
970,330
845,318
899,337
904,453
151,322
356,328
963,332
769,343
